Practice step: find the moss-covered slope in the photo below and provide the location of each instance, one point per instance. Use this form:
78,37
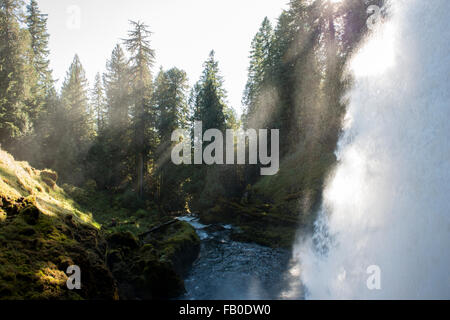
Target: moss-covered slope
43,231
41,234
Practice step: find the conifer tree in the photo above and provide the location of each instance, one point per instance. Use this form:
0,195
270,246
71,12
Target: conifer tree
110,157
141,61
210,98
17,76
37,27
77,125
259,64
118,90
171,101
98,104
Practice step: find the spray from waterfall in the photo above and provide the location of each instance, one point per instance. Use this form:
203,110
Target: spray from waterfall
384,228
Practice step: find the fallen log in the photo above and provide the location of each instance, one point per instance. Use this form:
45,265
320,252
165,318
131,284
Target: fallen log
143,235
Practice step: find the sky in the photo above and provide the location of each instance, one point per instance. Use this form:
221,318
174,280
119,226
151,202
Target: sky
184,32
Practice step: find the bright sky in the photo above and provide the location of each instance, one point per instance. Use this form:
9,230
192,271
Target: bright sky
185,31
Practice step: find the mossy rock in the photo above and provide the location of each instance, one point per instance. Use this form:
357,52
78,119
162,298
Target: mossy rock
30,214
3,215
42,233
35,257
153,270
157,279
49,177
140,274
123,239
180,246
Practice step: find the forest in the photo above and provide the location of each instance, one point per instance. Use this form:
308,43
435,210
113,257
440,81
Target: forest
92,182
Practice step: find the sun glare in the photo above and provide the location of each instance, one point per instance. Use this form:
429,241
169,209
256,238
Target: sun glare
377,55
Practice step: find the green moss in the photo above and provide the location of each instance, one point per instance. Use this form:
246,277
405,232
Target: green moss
41,235
30,214
45,228
49,177
140,270
123,239
3,215
178,245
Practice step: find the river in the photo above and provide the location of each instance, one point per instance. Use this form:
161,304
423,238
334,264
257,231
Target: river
228,269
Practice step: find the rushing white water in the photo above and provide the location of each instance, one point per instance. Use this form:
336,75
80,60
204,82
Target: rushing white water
388,202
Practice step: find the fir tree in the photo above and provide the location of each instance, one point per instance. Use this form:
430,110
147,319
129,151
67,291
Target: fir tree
210,98
118,90
259,60
110,156
98,104
141,61
77,125
17,76
37,27
171,101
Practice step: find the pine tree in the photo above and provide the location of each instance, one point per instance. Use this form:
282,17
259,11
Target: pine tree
37,27
98,104
209,106
210,98
17,76
259,64
141,61
77,125
74,96
45,98
110,156
118,90
171,101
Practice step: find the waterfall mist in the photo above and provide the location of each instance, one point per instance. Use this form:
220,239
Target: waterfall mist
387,203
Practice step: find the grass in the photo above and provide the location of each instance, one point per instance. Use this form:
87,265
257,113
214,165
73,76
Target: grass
115,212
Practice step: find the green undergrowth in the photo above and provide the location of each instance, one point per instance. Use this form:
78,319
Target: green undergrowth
146,265
45,228
261,223
275,208
115,212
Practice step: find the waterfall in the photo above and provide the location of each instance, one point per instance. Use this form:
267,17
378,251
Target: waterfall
386,207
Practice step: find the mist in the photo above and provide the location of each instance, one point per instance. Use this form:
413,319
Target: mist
386,204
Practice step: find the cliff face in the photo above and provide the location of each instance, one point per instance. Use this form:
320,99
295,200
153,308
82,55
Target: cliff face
43,232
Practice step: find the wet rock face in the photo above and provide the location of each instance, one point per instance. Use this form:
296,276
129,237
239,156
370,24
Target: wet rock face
152,269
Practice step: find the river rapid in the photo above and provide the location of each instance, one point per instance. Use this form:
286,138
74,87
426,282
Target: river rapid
231,270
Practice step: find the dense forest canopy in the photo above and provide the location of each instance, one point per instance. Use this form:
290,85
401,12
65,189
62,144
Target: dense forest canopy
116,133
